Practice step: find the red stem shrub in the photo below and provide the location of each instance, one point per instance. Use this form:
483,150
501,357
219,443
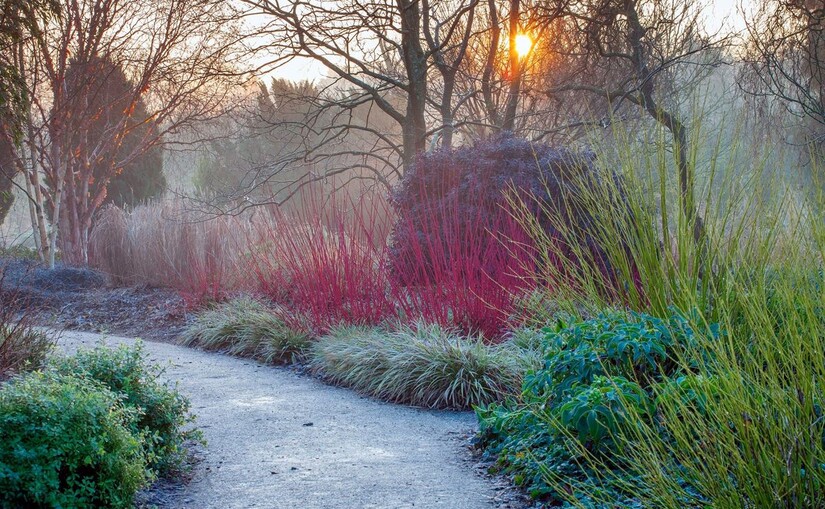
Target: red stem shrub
467,276
447,248
325,263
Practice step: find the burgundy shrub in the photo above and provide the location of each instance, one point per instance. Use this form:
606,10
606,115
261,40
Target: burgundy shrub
456,252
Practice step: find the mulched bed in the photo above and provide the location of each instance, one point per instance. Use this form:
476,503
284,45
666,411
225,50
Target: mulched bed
82,299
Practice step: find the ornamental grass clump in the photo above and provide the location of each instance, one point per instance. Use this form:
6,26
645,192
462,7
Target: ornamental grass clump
247,328
172,244
422,365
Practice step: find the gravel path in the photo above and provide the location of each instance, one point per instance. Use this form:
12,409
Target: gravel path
278,439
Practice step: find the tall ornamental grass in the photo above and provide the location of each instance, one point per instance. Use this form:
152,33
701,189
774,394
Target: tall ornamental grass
172,245
744,423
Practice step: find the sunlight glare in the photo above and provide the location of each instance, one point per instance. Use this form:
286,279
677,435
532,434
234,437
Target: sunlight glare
523,45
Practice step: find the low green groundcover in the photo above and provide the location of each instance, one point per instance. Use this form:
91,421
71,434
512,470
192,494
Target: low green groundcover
89,431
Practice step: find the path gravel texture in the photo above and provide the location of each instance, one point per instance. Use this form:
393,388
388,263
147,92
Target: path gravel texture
280,439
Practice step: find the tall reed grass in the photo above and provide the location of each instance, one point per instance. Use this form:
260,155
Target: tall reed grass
746,426
171,245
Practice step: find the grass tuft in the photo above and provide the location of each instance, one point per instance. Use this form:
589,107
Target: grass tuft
424,365
246,328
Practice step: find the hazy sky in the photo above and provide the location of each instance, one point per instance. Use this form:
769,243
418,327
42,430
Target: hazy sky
727,11
721,14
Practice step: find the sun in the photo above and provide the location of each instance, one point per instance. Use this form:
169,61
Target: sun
523,45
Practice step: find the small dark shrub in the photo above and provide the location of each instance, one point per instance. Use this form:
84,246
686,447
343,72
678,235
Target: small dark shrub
161,412
22,347
65,442
66,279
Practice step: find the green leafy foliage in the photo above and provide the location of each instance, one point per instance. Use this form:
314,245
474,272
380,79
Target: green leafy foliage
599,377
65,442
636,346
161,413
594,412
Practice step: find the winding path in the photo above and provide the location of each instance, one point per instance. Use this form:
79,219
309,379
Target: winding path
278,439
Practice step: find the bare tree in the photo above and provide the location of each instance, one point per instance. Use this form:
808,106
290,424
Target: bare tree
19,25
174,52
501,89
405,76
448,36
785,56
637,52
375,54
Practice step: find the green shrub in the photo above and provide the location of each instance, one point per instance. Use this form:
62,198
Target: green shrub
65,442
593,413
598,377
634,345
162,413
424,365
245,327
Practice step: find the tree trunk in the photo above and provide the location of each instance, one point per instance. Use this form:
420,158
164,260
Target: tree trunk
489,67
28,162
414,129
509,122
447,120
39,203
667,119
